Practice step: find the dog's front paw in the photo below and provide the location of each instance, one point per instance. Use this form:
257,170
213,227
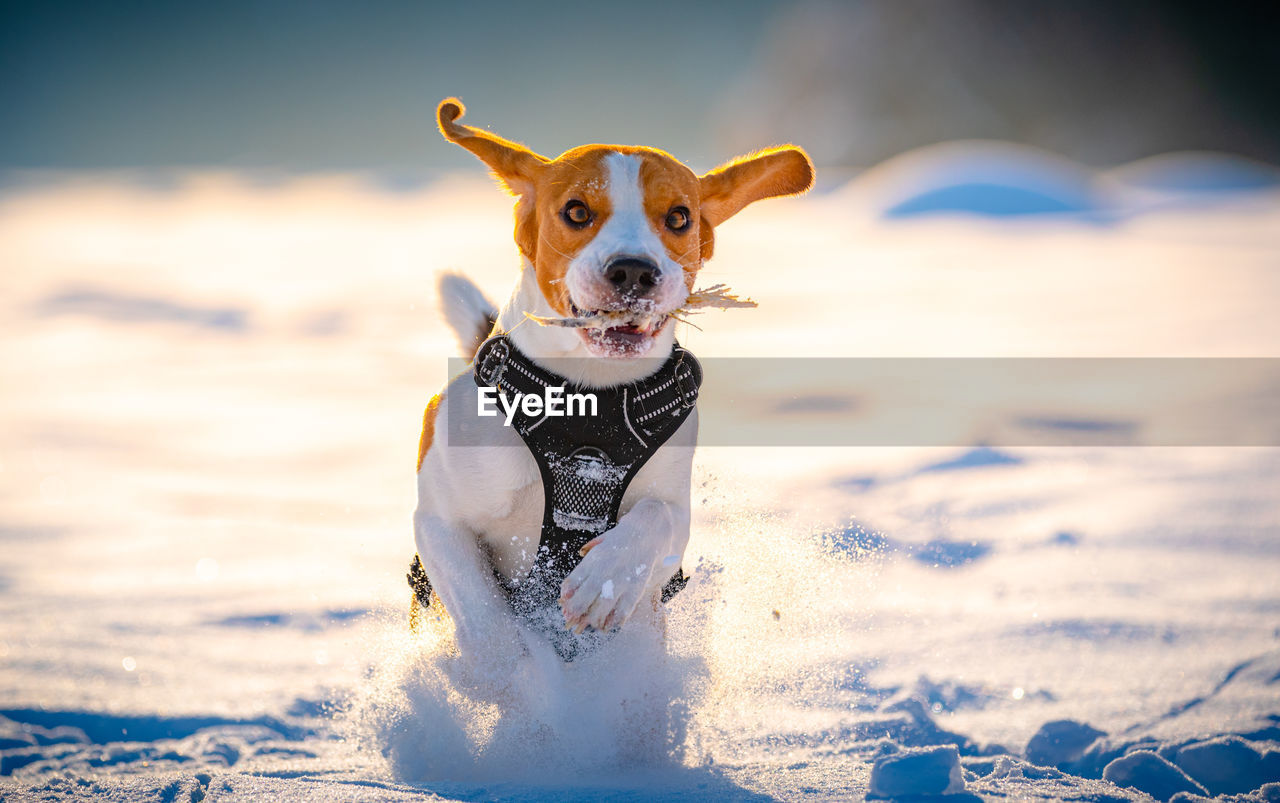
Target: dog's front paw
605,588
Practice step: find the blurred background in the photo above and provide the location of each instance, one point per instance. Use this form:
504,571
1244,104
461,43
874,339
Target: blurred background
220,227
337,86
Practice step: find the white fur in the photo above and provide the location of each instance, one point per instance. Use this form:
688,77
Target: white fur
628,232
466,310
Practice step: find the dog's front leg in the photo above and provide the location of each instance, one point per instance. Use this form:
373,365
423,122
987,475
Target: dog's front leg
628,564
461,575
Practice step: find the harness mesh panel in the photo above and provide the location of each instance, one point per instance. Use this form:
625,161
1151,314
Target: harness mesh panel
583,488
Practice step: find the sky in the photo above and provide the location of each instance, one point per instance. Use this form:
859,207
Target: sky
330,85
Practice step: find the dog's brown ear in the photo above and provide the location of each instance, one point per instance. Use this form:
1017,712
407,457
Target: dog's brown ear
513,164
784,170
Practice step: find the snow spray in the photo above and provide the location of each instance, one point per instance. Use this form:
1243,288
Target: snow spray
744,646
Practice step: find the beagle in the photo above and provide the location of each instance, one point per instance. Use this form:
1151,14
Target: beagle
610,234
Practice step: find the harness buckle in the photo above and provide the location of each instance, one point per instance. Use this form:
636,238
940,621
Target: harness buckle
494,363
686,385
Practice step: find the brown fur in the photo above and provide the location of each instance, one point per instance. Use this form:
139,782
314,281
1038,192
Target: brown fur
769,173
428,427
545,185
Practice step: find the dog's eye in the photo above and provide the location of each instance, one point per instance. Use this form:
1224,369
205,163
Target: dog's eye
678,219
576,214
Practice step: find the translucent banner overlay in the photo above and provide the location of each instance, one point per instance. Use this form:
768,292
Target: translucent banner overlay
961,402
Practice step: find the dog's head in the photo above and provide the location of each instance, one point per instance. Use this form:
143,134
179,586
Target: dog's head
622,229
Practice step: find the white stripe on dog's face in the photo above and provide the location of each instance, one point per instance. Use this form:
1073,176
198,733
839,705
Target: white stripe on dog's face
627,232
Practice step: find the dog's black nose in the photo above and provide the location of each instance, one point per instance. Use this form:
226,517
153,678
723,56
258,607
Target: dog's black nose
631,276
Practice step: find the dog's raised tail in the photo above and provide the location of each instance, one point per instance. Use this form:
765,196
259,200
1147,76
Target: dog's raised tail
468,312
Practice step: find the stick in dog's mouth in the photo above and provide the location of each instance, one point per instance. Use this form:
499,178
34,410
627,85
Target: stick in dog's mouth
717,296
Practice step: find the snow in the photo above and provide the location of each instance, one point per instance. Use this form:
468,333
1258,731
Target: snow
986,178
1198,172
1147,772
212,394
1005,180
917,771
1061,743
1228,765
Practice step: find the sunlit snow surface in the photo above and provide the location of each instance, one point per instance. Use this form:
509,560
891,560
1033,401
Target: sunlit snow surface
212,391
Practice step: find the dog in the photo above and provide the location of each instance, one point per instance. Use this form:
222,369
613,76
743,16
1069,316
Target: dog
606,233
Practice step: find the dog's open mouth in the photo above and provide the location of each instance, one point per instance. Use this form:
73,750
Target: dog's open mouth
630,332
617,333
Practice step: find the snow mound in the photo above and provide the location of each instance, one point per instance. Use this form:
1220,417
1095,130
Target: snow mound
1060,743
1228,765
917,771
992,179
1148,772
1197,172
1006,777
984,178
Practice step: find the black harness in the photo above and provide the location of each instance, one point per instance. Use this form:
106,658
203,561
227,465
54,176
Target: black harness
586,462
